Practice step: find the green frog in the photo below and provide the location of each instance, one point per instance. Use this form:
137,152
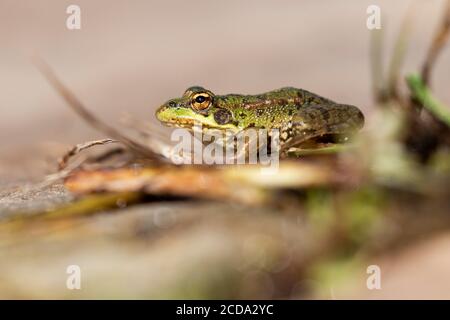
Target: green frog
299,115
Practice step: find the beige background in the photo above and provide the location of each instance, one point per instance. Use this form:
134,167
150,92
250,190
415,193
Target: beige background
130,56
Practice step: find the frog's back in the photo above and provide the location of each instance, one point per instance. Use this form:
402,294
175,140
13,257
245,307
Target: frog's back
297,96
283,97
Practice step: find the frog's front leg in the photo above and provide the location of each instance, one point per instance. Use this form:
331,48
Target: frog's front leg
241,146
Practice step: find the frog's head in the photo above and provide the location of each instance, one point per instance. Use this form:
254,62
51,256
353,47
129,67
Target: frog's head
196,106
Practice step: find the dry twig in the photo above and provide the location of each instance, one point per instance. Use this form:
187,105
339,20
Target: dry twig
63,161
79,108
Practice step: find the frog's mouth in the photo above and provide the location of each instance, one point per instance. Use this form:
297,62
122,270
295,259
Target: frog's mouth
178,123
186,118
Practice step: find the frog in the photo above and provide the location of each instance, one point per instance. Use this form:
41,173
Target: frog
302,117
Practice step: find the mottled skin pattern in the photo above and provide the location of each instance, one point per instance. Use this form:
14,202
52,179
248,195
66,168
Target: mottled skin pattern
299,114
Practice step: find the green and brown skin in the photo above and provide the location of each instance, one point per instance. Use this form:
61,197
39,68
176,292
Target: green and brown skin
299,114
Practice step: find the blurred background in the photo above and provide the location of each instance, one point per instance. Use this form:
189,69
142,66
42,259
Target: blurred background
131,56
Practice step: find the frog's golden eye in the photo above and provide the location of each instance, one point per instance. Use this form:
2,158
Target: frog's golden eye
201,101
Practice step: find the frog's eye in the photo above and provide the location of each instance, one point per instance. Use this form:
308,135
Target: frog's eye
201,101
